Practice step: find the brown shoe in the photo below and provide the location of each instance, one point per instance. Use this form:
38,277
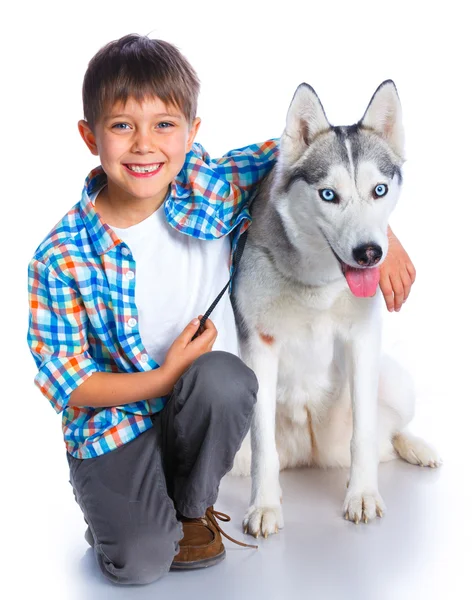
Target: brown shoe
201,545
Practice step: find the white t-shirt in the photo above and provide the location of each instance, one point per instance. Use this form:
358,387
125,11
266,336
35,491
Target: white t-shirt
177,278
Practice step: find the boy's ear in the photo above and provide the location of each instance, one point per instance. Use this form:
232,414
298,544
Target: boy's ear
192,133
88,136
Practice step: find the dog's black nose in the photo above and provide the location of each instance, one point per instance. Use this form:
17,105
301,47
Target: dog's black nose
367,254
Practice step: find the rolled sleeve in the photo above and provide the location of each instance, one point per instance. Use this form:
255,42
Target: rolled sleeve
233,177
218,188
57,335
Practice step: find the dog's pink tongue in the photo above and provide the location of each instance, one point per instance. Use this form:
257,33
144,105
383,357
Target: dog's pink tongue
362,282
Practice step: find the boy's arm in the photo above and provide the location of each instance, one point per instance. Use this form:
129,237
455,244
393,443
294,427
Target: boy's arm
68,375
397,274
103,390
224,185
117,389
57,335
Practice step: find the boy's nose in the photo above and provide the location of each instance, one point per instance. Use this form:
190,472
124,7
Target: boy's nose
142,143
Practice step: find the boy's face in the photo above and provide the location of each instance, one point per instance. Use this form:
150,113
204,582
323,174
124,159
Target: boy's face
142,147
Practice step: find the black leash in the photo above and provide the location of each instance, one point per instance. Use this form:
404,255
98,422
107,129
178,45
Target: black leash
237,257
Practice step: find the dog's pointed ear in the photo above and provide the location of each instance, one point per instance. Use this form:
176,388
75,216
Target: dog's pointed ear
384,116
305,120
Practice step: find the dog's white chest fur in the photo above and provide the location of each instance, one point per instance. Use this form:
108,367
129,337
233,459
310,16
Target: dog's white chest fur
310,327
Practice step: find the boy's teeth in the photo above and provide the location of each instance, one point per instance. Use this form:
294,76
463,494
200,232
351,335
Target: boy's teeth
146,169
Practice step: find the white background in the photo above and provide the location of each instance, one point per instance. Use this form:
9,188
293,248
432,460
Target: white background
250,56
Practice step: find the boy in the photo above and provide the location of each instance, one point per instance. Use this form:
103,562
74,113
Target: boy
152,418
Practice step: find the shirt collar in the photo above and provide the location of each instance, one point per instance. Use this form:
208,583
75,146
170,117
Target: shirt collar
180,189
102,235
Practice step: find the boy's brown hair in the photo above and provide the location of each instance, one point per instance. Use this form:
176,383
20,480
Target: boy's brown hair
138,67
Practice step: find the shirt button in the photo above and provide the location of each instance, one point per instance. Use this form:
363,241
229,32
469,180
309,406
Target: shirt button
129,275
125,251
132,322
144,358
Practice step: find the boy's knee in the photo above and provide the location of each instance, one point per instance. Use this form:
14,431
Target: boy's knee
224,377
136,561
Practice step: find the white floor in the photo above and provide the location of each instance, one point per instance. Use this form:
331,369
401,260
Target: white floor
416,551
420,549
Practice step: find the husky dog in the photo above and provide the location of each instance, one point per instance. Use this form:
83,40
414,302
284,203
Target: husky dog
308,310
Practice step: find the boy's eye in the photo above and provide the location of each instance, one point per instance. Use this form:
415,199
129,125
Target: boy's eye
165,125
121,126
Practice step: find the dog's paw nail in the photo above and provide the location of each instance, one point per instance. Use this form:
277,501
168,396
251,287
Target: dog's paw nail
379,512
366,520
356,520
245,529
266,534
346,516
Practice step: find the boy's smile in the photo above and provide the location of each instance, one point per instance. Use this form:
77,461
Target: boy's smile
142,170
142,147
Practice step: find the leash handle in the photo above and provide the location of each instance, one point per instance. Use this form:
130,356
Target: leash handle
237,257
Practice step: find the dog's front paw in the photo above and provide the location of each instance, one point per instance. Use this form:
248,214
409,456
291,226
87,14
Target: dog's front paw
263,520
363,506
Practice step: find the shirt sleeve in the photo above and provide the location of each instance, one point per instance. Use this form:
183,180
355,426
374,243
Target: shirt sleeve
226,183
57,335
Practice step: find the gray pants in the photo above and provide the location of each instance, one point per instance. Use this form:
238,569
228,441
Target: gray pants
129,496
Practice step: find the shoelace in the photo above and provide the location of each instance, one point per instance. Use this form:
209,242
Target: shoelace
213,514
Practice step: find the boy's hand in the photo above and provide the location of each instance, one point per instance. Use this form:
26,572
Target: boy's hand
184,351
397,274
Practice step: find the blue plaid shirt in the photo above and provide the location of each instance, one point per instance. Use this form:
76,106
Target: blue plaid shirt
83,315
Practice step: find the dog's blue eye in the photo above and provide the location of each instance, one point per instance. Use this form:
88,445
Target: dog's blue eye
328,195
380,190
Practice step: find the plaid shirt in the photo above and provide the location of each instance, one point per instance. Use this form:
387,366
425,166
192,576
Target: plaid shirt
83,315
